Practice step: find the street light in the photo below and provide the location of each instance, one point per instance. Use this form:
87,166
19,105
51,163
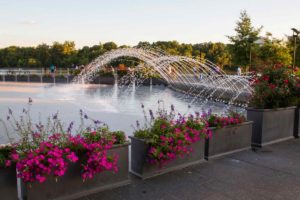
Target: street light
250,41
295,36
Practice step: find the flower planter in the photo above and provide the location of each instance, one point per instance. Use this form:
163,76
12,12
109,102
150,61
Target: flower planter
297,123
228,140
271,125
71,185
8,184
144,170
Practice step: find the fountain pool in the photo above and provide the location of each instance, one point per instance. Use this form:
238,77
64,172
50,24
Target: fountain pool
117,107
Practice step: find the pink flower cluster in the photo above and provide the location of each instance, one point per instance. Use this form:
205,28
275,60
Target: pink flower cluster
96,158
219,121
52,157
47,159
175,140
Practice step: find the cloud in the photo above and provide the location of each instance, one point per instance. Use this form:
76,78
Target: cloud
28,22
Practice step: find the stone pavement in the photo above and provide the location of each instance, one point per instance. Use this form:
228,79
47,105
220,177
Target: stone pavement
270,173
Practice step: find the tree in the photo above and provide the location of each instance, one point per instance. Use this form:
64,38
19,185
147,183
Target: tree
57,54
273,51
69,47
43,54
108,46
143,44
244,39
171,47
215,52
185,49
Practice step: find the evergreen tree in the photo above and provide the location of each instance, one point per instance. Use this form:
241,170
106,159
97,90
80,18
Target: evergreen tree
242,42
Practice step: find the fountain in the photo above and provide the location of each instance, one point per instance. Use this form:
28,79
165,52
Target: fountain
200,78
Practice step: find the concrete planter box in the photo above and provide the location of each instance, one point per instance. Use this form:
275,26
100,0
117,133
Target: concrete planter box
61,79
48,79
271,125
155,81
35,78
107,80
23,78
144,170
10,78
71,78
228,140
8,184
297,123
71,186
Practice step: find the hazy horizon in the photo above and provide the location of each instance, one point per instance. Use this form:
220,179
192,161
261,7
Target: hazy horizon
32,22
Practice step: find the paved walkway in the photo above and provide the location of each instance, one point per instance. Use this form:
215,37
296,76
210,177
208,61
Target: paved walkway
271,173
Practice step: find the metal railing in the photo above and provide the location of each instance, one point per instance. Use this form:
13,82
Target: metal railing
39,72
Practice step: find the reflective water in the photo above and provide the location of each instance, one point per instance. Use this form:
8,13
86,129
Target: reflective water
119,108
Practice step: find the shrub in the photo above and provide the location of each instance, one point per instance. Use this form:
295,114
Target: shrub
220,121
5,151
274,88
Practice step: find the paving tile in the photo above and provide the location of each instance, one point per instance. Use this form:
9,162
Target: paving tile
283,157
270,174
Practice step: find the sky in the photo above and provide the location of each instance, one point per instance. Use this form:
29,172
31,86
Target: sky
88,22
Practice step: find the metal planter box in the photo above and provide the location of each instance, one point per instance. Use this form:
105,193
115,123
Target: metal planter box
297,123
228,140
271,125
8,183
141,168
71,186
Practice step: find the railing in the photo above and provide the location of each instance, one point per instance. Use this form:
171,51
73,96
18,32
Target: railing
39,72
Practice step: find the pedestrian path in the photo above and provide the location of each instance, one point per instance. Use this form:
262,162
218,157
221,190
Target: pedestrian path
267,174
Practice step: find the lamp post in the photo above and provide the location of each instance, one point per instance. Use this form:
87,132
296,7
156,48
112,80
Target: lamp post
295,36
250,41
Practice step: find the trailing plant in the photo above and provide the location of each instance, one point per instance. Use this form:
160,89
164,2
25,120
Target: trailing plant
94,146
48,159
169,136
45,150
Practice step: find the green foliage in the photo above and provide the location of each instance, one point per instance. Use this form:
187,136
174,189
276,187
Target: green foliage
4,154
119,137
274,89
215,52
272,51
244,39
152,135
104,133
143,134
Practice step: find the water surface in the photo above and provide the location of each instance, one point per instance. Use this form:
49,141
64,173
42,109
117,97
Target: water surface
118,107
